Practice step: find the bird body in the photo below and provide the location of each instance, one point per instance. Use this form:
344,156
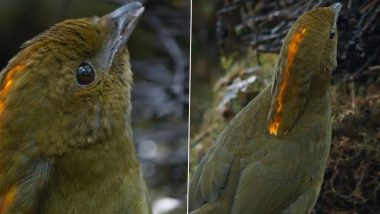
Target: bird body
65,134
259,175
271,157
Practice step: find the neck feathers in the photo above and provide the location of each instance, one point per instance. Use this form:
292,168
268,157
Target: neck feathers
304,69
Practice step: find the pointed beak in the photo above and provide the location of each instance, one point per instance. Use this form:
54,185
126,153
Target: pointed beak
336,7
121,24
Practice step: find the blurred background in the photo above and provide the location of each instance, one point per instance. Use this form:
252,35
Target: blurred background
235,45
159,50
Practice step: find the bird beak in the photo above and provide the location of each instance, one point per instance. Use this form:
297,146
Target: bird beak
336,10
120,24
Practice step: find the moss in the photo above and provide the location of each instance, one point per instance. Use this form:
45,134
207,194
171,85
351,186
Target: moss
352,180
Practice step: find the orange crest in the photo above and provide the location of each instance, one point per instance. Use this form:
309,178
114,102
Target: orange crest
8,82
275,121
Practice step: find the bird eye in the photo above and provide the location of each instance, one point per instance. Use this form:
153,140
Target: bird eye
85,73
332,34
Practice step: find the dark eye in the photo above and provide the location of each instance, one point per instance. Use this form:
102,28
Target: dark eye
85,73
332,34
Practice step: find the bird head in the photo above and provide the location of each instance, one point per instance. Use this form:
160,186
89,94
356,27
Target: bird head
312,41
307,59
74,79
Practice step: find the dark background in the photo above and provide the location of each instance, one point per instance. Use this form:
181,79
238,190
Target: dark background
234,49
159,50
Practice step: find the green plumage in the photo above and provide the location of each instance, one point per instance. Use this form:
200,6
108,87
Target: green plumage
250,170
65,147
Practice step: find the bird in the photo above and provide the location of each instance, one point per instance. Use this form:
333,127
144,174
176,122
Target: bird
65,125
271,157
